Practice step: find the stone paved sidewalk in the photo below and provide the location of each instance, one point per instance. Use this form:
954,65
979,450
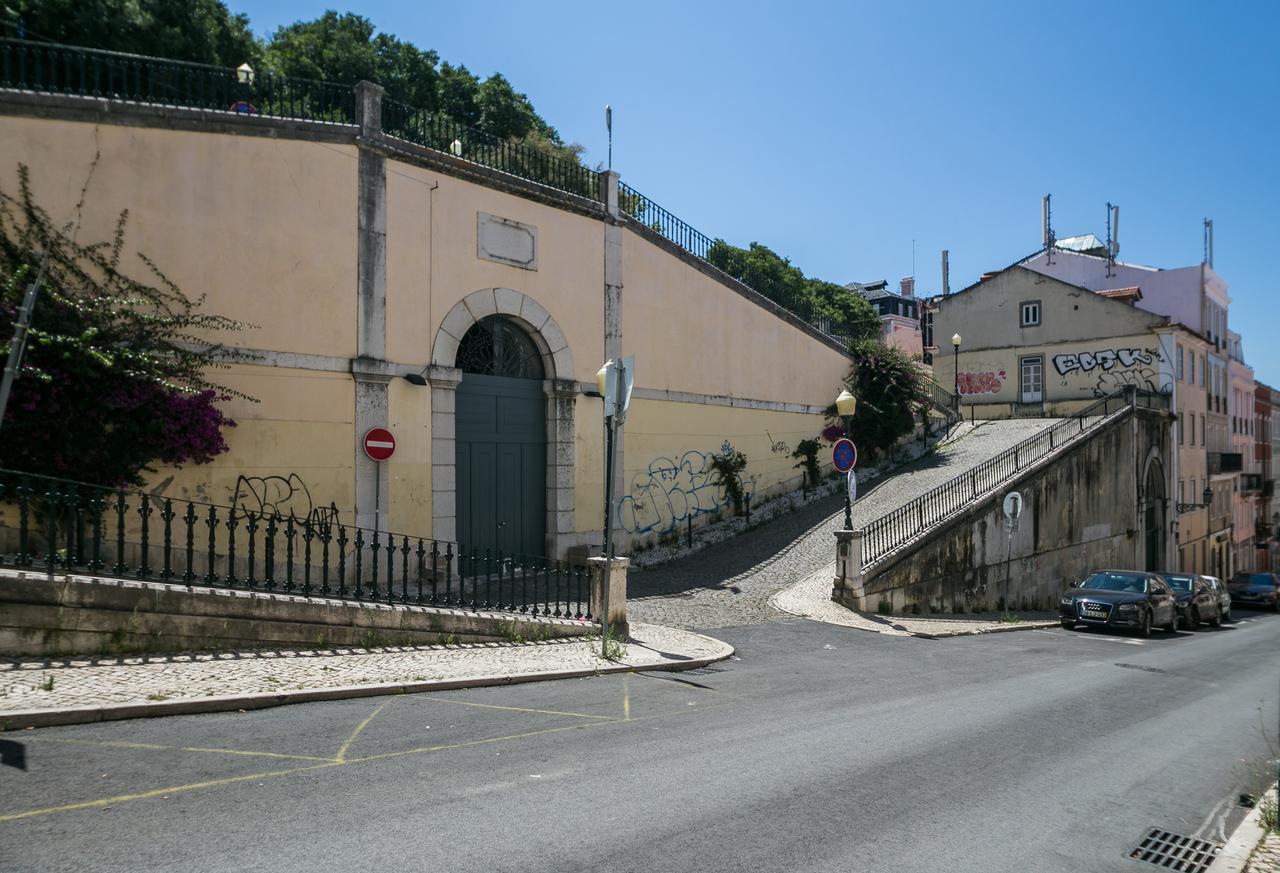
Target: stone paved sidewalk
812,599
1266,858
732,582
80,688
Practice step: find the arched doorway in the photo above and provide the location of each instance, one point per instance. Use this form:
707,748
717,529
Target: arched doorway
501,440
1154,516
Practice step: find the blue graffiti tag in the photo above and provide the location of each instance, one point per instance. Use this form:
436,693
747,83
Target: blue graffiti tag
671,492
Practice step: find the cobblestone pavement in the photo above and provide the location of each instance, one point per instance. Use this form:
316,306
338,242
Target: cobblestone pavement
811,599
59,683
1266,858
731,583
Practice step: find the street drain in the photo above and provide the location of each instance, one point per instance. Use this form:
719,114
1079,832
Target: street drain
1175,852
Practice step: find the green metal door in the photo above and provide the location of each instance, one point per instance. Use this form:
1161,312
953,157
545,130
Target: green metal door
500,429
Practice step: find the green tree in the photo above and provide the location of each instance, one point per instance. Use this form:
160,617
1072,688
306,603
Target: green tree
764,270
114,375
890,392
194,30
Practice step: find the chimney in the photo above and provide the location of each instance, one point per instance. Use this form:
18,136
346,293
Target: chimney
908,286
946,272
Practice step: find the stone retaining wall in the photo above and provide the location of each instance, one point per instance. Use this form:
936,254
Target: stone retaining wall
80,615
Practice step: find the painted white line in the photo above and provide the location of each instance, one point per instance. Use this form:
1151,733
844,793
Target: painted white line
379,444
1091,637
1208,819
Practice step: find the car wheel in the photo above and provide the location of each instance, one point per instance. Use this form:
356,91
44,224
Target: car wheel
1144,627
1172,626
1068,624
1226,616
1193,619
1217,616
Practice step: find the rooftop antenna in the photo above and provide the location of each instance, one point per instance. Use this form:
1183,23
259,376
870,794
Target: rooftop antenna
913,259
1208,241
608,123
1111,255
1046,216
946,272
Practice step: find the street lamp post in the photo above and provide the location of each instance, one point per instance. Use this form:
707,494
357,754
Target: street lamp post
846,407
955,344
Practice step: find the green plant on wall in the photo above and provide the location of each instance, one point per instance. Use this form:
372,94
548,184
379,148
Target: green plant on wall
807,452
726,471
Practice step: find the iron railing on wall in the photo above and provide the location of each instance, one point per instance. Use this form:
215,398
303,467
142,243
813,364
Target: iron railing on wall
890,531
441,133
122,533
83,72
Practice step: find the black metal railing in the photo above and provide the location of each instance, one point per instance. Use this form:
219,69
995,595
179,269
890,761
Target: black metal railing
77,527
441,133
890,531
83,72
940,398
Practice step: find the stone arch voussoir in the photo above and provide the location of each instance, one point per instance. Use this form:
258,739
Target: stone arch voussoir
515,305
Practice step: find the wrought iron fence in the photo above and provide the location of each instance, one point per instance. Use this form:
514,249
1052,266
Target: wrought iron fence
894,529
443,134
63,69
73,526
941,398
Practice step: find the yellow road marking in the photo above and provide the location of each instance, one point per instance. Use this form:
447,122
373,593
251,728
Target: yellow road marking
161,792
341,757
522,709
626,700
338,761
155,747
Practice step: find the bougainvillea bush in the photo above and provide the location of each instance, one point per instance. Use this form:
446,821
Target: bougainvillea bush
113,378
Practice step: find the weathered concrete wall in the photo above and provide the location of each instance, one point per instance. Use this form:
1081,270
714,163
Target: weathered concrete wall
1082,512
80,615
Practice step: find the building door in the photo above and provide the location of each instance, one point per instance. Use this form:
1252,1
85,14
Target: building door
1032,381
1154,521
501,441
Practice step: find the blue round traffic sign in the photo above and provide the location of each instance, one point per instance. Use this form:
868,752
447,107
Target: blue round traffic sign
844,455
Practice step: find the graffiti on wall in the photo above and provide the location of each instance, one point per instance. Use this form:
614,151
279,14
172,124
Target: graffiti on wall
1115,368
285,495
670,492
1107,359
988,382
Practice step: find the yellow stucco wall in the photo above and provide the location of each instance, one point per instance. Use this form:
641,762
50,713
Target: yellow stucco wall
264,227
409,470
666,473
692,333
292,449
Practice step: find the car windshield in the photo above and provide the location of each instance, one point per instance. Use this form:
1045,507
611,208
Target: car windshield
1258,579
1179,583
1116,582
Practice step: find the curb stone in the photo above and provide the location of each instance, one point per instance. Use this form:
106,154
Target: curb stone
1244,840
69,715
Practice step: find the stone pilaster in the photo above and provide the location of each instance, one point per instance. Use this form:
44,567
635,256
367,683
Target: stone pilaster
617,593
444,383
847,586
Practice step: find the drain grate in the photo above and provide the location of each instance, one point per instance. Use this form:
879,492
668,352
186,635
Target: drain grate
1171,851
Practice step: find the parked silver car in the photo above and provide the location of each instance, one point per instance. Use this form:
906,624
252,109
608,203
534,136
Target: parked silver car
1256,589
1224,596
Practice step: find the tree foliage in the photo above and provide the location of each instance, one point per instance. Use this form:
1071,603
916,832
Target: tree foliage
114,373
204,31
890,392
764,270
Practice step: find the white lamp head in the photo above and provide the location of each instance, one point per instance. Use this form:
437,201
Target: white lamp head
846,404
244,74
955,340
601,376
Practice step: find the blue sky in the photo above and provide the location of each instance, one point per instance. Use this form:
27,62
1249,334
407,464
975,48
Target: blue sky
838,133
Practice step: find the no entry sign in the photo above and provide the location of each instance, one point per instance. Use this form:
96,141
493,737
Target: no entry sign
844,455
379,444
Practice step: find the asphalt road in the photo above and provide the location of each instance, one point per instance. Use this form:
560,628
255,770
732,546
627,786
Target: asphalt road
818,748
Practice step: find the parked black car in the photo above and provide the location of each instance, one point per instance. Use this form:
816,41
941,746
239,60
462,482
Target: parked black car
1255,589
1224,596
1197,602
1130,599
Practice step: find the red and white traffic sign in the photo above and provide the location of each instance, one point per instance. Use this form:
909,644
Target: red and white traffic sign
379,444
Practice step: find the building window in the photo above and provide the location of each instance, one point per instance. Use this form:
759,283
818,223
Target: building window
1201,372
1191,364
1181,498
1202,440
1179,363
1182,425
1193,428
1030,314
